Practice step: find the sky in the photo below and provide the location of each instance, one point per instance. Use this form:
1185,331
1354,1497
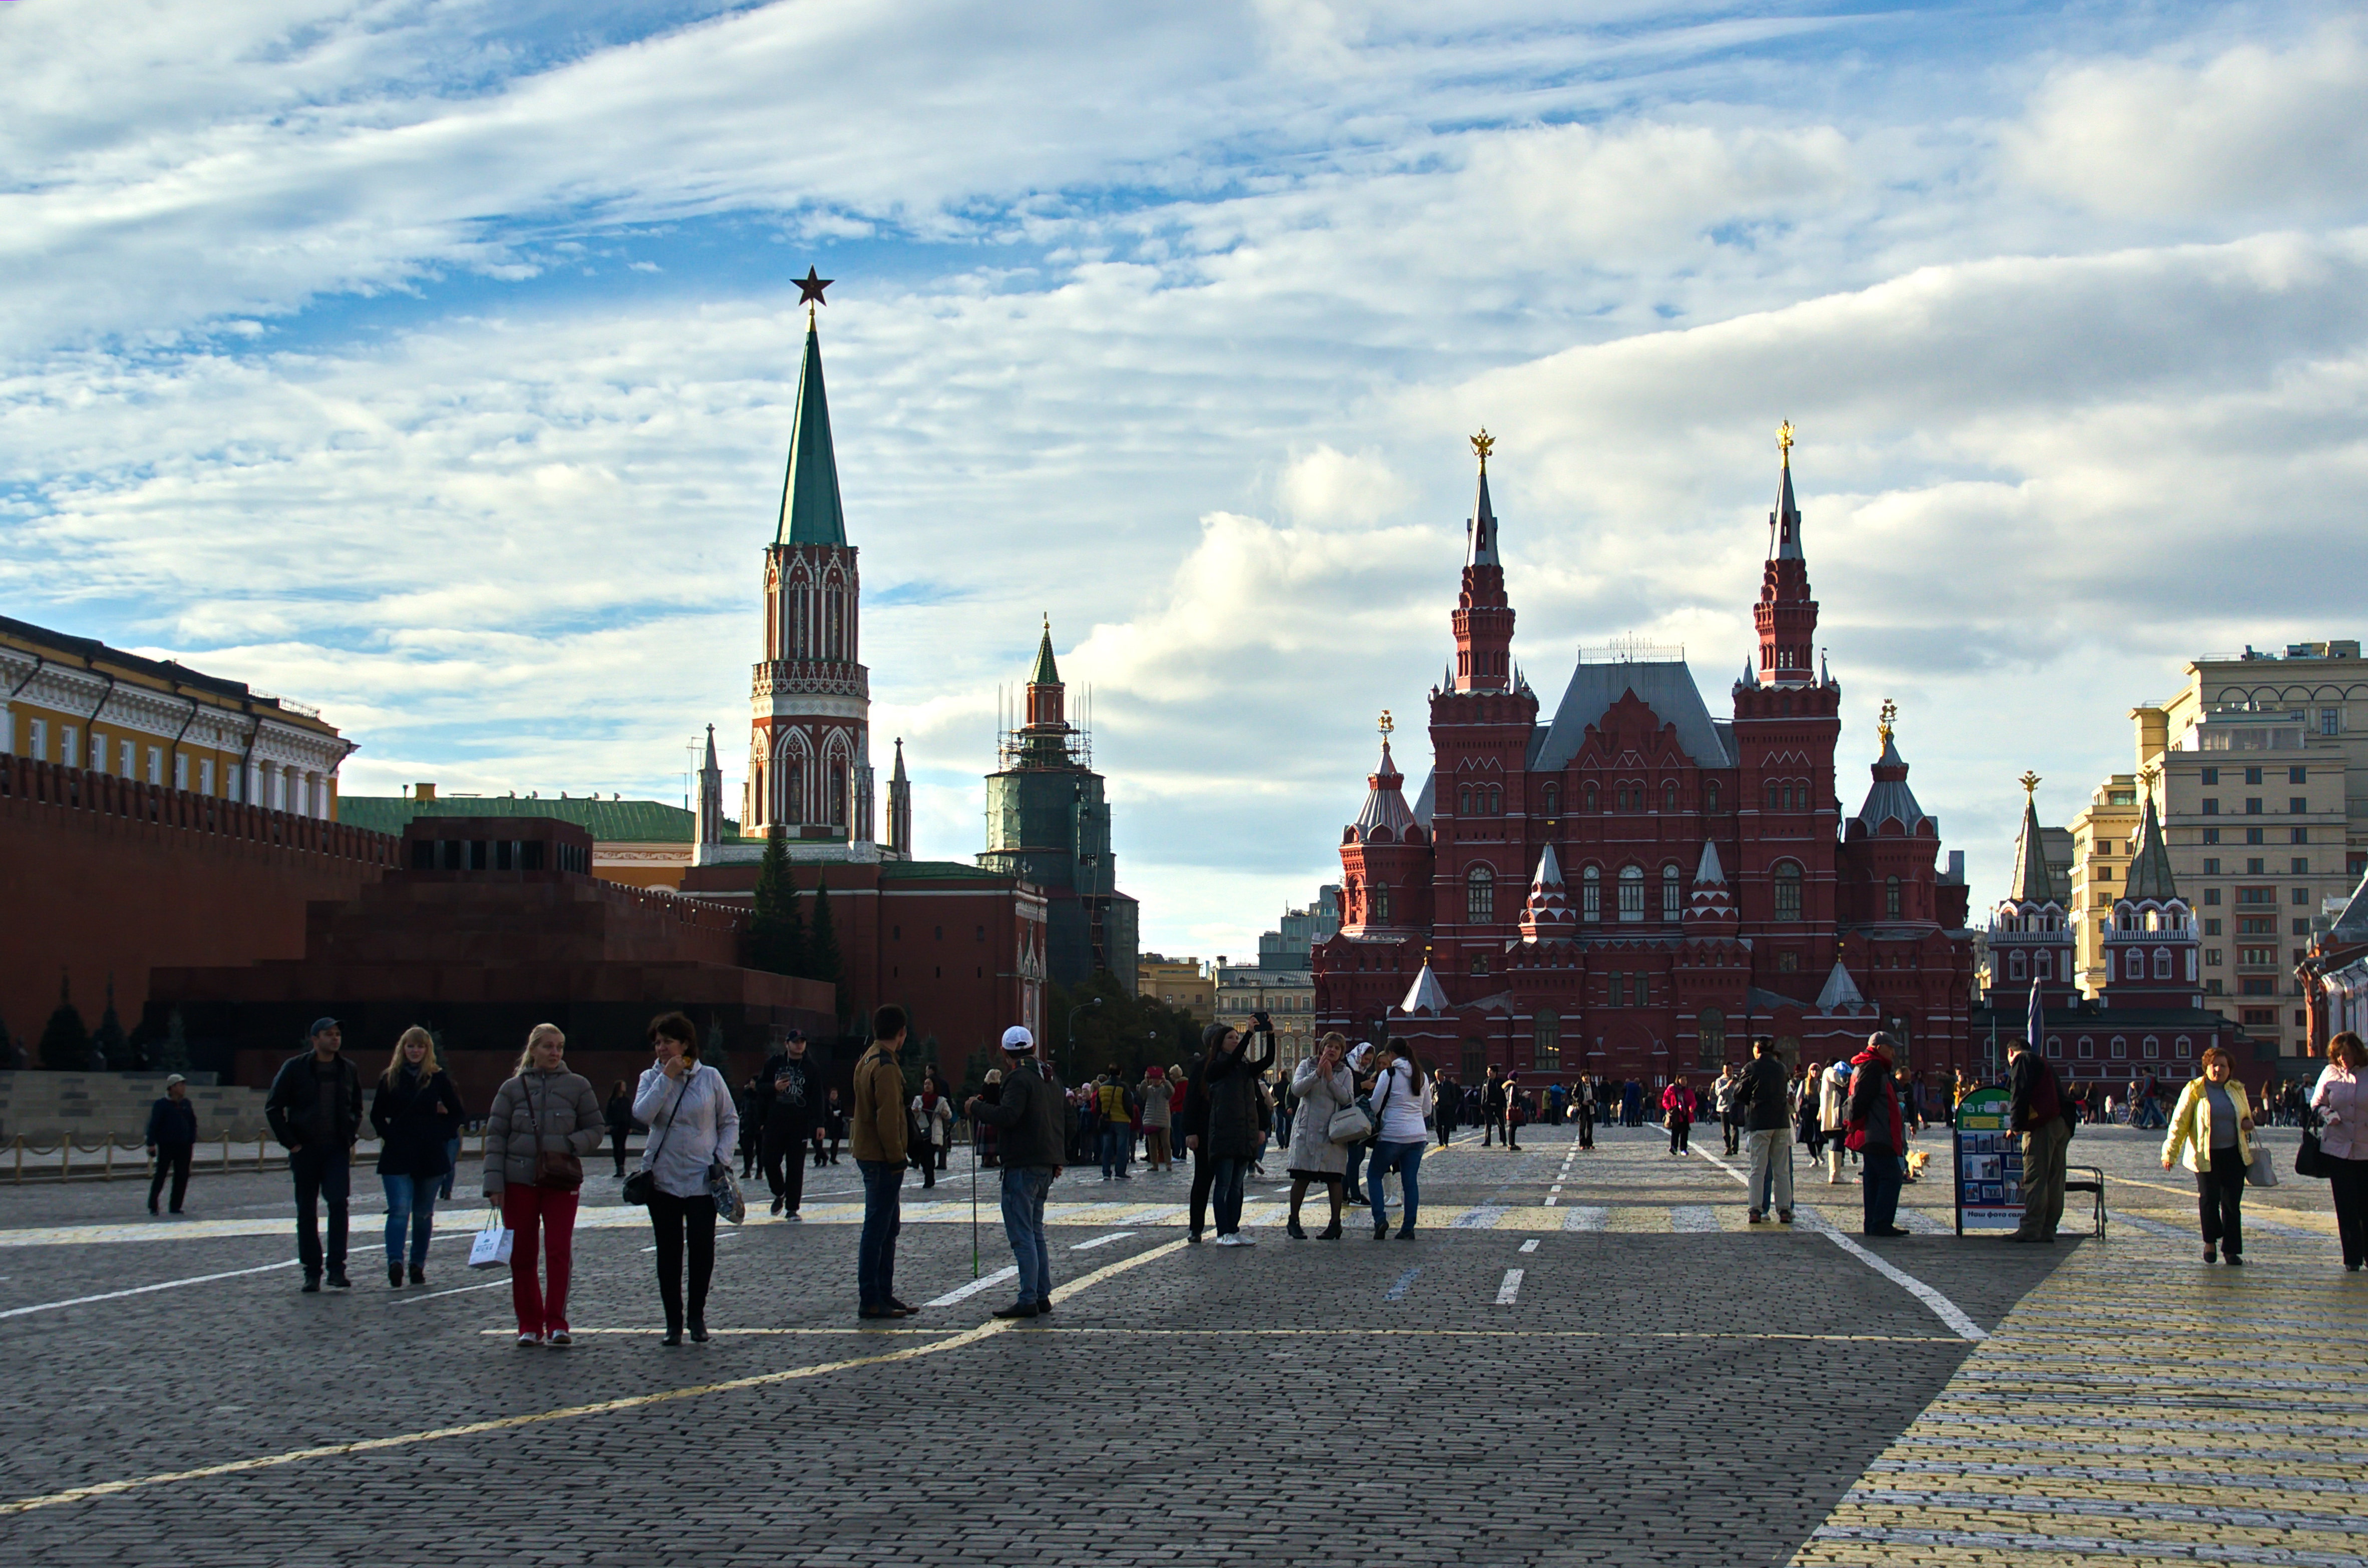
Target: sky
433,363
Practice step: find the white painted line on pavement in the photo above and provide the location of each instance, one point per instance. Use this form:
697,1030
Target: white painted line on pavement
456,1290
1947,1311
1552,1201
1010,1271
144,1289
1102,1241
1510,1289
1694,1218
1529,1246
1397,1291
1587,1217
1481,1217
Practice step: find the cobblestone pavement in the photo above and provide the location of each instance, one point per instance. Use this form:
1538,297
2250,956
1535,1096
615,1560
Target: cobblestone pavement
1583,1356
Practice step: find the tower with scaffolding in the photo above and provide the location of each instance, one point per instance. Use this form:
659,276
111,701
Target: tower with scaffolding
1048,822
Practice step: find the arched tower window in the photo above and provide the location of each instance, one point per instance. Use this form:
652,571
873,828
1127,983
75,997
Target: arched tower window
1496,801
2133,965
2016,966
1891,898
1673,892
1591,795
1670,796
802,611
1382,903
1709,796
1480,895
1464,801
1590,894
1788,889
1554,799
1632,893
2162,963
836,647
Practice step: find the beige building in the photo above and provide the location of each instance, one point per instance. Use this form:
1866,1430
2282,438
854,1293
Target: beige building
1180,982
2103,834
1286,995
2259,768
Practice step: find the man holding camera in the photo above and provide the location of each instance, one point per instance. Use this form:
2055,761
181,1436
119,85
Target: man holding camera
790,1095
1028,1116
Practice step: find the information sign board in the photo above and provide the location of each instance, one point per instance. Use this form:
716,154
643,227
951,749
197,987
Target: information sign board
1989,1165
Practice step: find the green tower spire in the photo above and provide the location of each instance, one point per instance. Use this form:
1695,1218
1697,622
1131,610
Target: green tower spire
1046,672
810,508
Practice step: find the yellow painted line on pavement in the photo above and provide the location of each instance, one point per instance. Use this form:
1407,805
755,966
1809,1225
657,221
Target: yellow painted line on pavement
602,1408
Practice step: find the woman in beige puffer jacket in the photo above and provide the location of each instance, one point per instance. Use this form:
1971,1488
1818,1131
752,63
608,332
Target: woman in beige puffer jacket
543,1107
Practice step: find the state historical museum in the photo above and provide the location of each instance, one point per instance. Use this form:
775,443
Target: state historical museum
1632,888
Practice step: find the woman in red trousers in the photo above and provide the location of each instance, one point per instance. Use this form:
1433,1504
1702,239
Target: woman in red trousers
545,1121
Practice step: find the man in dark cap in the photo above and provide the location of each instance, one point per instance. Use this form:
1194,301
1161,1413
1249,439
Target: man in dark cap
315,1111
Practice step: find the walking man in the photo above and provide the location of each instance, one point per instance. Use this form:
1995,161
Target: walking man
315,1111
789,1120
2037,1113
1492,1108
1029,1119
1724,1099
172,1141
876,1131
1763,1101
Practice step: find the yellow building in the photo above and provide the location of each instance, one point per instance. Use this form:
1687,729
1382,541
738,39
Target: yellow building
1180,982
2101,835
74,702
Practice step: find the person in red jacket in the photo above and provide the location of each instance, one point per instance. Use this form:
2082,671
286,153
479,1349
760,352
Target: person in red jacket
1876,1134
1678,1112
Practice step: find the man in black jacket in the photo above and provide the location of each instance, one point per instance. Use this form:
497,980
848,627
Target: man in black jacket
2037,1113
1765,1104
791,1090
172,1140
315,1111
1029,1116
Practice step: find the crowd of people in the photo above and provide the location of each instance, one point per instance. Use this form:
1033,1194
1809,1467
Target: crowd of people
1347,1119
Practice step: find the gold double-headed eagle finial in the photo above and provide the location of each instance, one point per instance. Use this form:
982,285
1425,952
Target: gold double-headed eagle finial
1784,443
1483,444
2029,782
1890,713
1388,724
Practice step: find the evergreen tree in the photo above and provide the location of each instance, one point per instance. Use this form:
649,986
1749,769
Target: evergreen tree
823,956
776,940
65,1043
171,1054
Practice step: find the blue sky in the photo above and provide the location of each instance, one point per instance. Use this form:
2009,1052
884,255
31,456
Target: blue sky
433,362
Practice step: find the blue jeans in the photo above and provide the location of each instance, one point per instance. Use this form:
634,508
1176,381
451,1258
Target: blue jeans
1356,1163
875,1250
1879,1177
1225,1193
1024,1187
410,1205
1406,1160
1117,1145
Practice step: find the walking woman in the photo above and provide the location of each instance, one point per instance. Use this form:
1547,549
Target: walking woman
688,1108
1401,1094
543,1121
1323,1088
2213,1124
1228,1081
1678,1112
618,1113
2340,1097
1811,1129
933,1122
415,1110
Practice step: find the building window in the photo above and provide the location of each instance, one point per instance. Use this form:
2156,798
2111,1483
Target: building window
1669,797
2017,966
1615,991
1382,903
2253,835
1554,799
1709,796
156,767
2055,1047
2212,927
2299,866
1545,1041
2121,1048
2212,956
205,776
2151,1046
1709,1028
2208,775
1673,895
2087,1048
2331,722
180,771
2162,963
1476,1061
2212,896
1496,801
2133,965
1480,894
2211,836
1590,894
2211,866
2301,895
2297,775
1632,893
69,746
1590,797
2252,776
2213,987
2297,805
1788,890
1479,965
1643,989
2211,806
2301,927
1788,963
39,729
1891,898
2253,804
1464,801
2298,836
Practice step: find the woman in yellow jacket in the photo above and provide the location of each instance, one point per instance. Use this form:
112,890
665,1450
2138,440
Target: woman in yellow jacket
2213,1125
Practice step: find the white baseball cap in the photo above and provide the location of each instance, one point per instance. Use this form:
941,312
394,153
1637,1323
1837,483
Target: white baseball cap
1017,1037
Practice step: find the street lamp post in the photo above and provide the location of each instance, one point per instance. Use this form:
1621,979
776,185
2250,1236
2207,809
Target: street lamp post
1087,1005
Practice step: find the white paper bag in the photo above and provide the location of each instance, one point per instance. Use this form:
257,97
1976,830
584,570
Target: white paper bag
492,1247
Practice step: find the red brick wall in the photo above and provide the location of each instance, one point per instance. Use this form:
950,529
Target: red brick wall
102,876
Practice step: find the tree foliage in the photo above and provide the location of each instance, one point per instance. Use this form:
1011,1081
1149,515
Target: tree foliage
65,1041
1132,1031
776,934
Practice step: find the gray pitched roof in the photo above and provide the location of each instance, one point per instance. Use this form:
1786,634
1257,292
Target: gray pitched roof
2149,874
1890,797
2033,882
1668,689
2351,925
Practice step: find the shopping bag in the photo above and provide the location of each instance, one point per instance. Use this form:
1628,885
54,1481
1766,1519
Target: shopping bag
2262,1171
492,1247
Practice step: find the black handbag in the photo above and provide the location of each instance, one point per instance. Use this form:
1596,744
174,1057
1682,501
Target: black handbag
642,1184
2310,1160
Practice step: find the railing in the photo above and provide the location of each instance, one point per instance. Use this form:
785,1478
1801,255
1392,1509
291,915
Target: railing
102,1164
111,795
689,911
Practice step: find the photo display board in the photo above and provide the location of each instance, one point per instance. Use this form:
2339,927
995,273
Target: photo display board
1989,1165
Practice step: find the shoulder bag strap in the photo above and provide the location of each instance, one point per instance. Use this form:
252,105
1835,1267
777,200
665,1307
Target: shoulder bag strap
649,1154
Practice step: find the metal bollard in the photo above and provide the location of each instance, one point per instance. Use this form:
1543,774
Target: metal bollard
225,1151
65,1157
109,1173
258,1151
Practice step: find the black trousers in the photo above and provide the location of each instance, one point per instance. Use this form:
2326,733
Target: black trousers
1446,1131
1729,1125
1587,1126
2220,1201
672,1220
617,1148
2348,1184
172,1159
1679,1130
321,1176
785,1166
1205,1174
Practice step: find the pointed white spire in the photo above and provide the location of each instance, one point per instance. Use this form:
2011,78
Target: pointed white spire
1841,993
1547,914
1710,874
1426,995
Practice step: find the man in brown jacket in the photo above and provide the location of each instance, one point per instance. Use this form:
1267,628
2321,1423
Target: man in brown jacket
876,1130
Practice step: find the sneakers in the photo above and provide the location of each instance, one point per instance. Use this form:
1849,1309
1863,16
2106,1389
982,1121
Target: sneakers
1229,1240
1783,1216
1756,1218
560,1339
776,1203
1244,1239
528,1341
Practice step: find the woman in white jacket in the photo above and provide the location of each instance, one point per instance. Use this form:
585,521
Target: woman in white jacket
2340,1097
1400,1099
1833,1116
688,1108
1322,1086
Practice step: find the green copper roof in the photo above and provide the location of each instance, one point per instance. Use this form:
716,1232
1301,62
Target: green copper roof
1047,672
609,822
810,508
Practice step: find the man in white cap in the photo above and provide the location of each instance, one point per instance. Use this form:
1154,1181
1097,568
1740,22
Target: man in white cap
172,1141
1029,1119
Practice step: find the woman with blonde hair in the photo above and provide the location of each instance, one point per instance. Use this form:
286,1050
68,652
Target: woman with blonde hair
2340,1097
416,1110
545,1121
2213,1124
